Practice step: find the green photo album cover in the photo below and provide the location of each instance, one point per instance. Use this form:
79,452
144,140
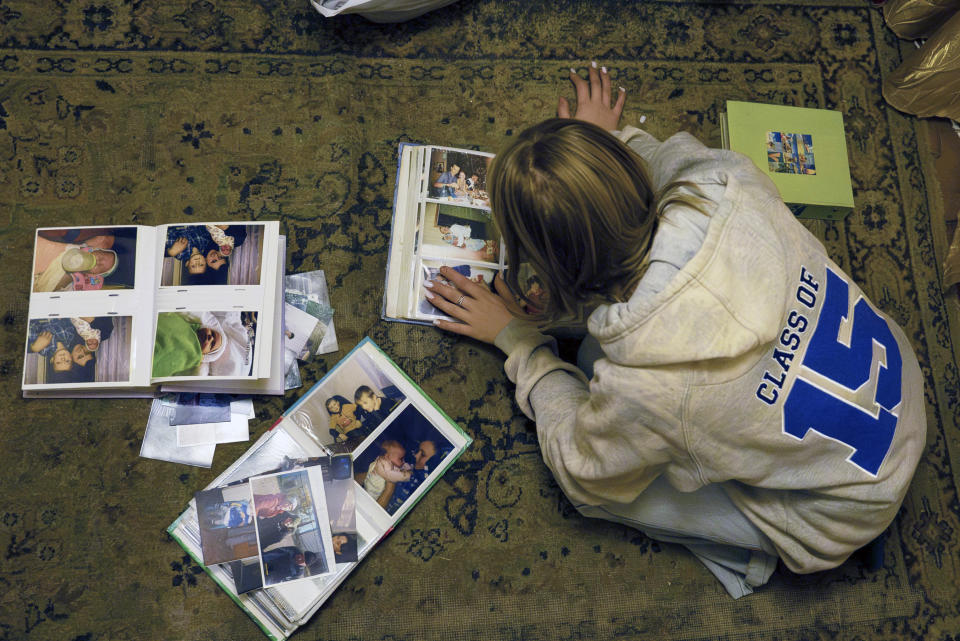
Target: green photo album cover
803,151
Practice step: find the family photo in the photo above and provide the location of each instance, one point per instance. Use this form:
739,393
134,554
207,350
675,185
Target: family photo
349,405
458,176
460,233
227,530
290,530
92,349
204,343
399,459
84,259
212,255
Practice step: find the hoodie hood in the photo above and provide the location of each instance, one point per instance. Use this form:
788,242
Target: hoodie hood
726,301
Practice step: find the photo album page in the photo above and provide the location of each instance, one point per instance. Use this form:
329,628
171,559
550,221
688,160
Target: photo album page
115,309
441,217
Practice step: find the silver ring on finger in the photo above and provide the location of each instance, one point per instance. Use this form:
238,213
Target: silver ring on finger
459,300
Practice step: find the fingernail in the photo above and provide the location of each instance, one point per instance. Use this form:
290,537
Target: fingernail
573,71
593,64
428,283
436,323
428,295
603,69
622,89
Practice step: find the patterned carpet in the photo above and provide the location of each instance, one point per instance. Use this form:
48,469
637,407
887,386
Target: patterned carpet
119,112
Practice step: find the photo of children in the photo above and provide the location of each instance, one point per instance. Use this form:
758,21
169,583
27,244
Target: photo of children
460,233
431,271
292,529
340,492
790,153
399,459
91,349
458,176
211,254
349,405
227,530
84,259
217,344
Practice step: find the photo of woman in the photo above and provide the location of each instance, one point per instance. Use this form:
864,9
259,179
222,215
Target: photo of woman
211,254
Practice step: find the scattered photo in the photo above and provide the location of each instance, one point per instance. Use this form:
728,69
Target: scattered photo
308,293
160,438
210,254
227,530
431,271
458,177
460,233
193,408
400,458
84,259
219,344
293,531
340,493
90,349
790,153
349,405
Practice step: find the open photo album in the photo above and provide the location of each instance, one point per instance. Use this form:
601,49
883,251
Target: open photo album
116,310
285,524
441,216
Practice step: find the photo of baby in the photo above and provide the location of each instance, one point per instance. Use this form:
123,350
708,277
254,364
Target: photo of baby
399,459
92,349
348,406
460,233
431,271
211,254
205,343
292,529
459,177
84,259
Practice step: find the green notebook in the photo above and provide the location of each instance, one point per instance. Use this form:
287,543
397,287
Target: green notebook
802,150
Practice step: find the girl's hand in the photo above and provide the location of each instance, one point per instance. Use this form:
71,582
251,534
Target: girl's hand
178,246
43,339
593,99
482,312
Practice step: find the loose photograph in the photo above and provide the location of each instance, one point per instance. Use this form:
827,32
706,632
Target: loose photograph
431,271
348,405
458,177
460,233
84,259
212,255
340,492
400,458
91,349
227,531
293,531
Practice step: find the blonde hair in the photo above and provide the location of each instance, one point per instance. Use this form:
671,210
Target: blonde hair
578,205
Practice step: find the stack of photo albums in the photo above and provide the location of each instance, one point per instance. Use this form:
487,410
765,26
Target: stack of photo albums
284,525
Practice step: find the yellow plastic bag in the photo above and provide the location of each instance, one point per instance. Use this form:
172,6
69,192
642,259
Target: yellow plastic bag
927,83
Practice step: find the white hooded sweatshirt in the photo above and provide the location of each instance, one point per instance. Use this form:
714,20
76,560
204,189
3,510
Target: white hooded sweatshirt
759,366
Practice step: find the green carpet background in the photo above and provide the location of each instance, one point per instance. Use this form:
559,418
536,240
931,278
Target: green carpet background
120,112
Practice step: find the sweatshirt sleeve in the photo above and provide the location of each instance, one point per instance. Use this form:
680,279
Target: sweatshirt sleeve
590,436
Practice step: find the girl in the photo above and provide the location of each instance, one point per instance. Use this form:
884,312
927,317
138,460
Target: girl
342,418
737,393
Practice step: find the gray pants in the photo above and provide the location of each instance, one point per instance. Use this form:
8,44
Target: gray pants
706,522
